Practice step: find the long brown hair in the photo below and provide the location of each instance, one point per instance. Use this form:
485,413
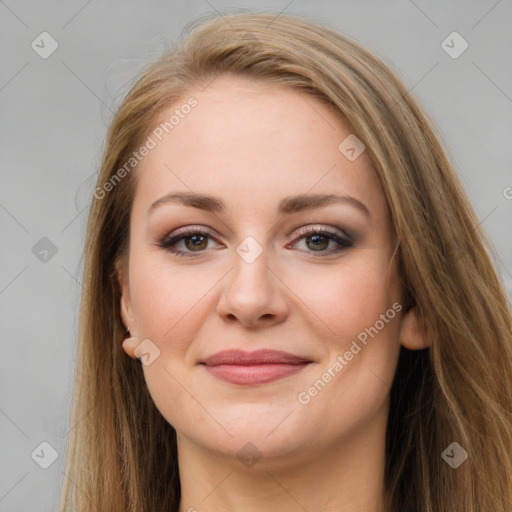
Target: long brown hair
122,453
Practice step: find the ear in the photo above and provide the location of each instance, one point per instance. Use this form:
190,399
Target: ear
126,311
126,307
412,332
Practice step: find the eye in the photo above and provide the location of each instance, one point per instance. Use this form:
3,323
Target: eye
195,240
319,238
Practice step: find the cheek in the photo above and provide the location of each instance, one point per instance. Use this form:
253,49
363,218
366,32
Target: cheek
170,303
363,330
362,316
347,299
166,301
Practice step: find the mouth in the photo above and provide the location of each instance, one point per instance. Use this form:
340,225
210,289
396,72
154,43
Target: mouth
252,368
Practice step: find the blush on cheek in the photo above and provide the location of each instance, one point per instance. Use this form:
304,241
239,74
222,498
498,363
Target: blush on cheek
359,301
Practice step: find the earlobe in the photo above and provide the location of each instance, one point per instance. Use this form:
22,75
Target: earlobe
412,332
131,347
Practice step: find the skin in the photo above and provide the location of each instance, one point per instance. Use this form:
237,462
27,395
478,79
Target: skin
252,145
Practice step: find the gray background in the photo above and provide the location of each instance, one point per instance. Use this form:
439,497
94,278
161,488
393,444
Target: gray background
54,114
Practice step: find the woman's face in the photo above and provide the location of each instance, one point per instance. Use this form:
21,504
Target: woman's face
253,279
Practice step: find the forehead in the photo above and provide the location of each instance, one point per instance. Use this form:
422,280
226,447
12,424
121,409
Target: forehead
252,144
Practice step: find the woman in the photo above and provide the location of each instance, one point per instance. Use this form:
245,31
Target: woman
287,302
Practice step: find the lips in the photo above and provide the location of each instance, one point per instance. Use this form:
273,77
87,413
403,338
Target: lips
239,357
250,368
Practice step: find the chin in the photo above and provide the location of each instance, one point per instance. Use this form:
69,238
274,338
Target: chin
272,430
251,449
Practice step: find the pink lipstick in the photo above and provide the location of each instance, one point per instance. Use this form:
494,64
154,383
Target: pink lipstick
252,368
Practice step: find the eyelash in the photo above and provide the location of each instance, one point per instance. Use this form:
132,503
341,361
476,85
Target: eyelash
167,242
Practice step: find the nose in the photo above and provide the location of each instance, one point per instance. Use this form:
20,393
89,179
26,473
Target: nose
253,294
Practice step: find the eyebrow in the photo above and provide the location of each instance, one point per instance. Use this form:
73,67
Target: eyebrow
288,205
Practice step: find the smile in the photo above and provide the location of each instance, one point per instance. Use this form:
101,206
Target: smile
252,368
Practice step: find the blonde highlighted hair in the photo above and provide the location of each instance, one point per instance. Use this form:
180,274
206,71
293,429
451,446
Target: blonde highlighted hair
122,453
